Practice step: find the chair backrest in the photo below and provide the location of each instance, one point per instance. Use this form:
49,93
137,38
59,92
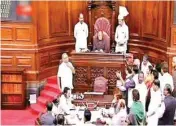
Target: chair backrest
101,84
102,24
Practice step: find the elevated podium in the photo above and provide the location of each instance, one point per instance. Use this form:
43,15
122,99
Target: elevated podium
91,65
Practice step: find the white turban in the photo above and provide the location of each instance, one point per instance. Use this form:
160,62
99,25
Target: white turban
122,12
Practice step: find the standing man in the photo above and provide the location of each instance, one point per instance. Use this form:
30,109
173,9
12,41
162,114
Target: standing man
81,34
166,77
142,88
145,65
65,72
121,33
168,107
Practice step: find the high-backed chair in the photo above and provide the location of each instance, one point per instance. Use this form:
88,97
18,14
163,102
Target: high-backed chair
101,85
102,24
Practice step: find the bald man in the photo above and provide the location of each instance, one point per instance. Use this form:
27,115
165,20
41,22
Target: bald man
65,72
81,34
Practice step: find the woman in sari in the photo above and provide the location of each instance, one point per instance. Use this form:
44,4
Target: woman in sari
136,116
149,78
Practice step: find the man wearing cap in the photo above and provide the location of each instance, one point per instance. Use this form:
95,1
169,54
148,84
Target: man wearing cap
81,34
121,33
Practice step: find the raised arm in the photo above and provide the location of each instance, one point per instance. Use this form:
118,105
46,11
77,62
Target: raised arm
130,84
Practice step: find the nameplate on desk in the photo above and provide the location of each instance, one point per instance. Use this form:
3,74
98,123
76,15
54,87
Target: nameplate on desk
93,93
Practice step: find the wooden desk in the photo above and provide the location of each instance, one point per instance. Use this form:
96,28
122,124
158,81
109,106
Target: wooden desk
104,100
91,65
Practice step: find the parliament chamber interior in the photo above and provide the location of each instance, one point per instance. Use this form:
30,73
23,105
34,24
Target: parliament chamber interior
88,62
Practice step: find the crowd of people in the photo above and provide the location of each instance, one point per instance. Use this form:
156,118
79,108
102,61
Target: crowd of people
147,97
149,93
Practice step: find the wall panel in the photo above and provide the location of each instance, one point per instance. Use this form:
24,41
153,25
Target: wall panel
7,33
23,34
58,18
134,18
150,19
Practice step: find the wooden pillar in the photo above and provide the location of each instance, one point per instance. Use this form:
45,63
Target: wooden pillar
90,26
113,26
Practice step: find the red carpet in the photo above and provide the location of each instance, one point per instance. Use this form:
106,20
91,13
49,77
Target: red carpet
50,92
17,117
28,116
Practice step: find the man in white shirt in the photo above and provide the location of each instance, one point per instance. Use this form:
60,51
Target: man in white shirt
65,72
55,109
81,34
136,62
166,78
145,65
155,102
65,102
142,88
122,32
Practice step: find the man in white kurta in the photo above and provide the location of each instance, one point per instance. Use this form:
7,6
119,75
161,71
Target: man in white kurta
154,105
81,34
121,33
166,78
142,88
65,102
65,72
145,65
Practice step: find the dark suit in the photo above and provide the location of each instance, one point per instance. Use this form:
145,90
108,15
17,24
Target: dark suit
168,116
47,119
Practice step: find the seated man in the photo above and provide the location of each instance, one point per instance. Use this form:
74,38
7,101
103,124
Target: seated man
87,118
55,109
48,118
99,43
65,102
60,120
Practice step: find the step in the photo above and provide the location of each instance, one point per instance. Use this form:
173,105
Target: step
49,94
52,87
43,100
52,80
37,108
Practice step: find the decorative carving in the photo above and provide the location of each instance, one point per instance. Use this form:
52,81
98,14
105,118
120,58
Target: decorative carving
81,75
102,24
99,9
111,75
96,72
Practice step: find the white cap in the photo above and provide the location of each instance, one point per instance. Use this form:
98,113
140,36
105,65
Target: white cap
122,12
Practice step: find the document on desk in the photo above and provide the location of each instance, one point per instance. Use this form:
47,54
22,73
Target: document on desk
93,93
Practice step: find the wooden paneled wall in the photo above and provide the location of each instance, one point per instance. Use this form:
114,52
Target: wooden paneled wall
55,32
38,45
18,48
149,26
